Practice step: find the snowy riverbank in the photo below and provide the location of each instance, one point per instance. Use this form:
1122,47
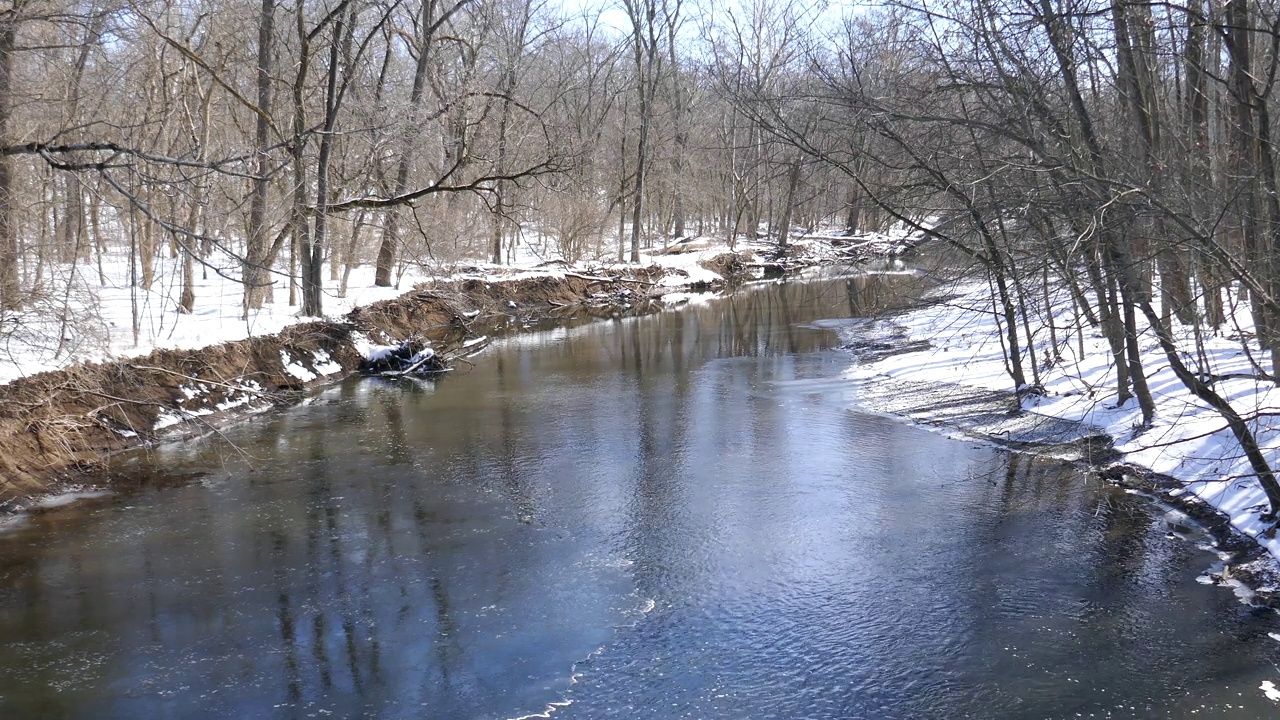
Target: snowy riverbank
65,409
104,316
110,319
58,425
959,344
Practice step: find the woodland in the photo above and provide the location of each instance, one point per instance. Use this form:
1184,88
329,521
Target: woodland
1119,151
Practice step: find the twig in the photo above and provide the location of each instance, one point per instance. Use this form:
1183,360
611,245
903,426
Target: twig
592,277
239,388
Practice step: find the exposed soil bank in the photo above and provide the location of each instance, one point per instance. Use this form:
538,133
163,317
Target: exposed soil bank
57,427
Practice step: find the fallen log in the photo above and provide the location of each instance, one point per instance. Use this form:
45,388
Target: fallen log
593,278
409,358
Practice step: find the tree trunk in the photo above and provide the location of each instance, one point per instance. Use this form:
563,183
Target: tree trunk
644,45
637,191
10,288
299,216
1244,151
390,246
793,181
1239,427
255,273
679,110
499,187
313,255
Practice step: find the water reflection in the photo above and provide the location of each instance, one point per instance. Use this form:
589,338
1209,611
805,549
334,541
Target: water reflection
682,507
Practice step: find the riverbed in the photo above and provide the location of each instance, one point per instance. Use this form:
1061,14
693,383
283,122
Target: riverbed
680,515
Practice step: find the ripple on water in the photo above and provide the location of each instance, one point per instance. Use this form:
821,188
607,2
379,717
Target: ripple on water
676,516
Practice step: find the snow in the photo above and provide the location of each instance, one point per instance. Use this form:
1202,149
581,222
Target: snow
241,395
88,313
1269,689
686,267
295,368
234,403
67,498
167,419
325,364
365,347
893,242
374,353
100,317
1187,440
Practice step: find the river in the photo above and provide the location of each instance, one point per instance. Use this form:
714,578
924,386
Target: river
681,515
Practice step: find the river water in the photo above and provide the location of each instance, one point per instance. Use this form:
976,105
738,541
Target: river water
682,515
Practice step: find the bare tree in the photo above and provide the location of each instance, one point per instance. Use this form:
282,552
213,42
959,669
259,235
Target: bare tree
257,251
650,20
10,289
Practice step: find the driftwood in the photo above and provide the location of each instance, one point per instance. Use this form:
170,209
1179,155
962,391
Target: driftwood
410,358
614,279
593,278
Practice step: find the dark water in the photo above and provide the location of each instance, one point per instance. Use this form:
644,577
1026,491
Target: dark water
677,516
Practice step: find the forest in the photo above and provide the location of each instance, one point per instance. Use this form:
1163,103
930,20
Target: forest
1120,153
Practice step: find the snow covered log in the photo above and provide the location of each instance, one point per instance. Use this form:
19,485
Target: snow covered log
408,358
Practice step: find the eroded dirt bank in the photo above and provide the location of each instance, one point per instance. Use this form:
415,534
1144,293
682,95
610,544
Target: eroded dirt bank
57,427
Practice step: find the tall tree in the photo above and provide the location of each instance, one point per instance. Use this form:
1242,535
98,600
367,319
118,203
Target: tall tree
649,20
433,15
10,287
256,274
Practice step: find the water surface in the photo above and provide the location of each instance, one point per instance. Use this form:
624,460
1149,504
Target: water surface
677,516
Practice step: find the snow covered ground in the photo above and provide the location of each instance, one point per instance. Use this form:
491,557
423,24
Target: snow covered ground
91,310
95,320
93,316
1188,440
